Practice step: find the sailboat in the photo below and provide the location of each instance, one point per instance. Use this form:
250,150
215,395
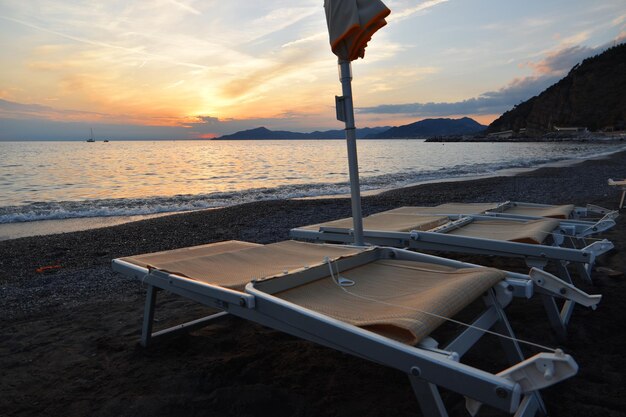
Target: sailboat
91,138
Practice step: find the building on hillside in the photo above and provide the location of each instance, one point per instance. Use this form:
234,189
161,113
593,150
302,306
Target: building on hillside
571,129
502,135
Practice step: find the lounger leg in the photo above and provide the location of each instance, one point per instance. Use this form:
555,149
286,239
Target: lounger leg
148,315
528,407
554,316
563,272
584,270
511,347
428,397
567,311
621,202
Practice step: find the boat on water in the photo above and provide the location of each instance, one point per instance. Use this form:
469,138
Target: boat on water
91,138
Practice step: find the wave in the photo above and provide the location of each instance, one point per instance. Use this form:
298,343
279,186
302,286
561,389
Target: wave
36,211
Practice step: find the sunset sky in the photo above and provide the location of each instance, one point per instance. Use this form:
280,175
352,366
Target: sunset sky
184,69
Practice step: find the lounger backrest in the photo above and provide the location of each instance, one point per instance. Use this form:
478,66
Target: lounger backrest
449,208
466,208
387,221
532,231
234,264
555,212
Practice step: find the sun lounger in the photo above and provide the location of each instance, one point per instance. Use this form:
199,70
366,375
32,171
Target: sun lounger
380,304
536,241
519,208
620,185
570,222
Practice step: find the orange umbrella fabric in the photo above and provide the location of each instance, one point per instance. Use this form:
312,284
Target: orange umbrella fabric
351,25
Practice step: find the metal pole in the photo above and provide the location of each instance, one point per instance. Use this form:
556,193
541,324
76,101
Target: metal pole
353,164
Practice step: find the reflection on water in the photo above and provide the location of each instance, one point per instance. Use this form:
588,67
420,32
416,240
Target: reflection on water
35,173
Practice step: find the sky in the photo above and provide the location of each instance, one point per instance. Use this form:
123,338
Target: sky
184,69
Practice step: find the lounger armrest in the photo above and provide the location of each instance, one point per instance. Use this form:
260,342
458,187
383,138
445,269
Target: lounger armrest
618,183
599,247
540,371
593,209
560,288
604,224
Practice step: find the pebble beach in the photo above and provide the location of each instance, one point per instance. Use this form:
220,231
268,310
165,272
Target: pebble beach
69,334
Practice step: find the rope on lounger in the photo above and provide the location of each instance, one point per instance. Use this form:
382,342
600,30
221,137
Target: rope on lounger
342,283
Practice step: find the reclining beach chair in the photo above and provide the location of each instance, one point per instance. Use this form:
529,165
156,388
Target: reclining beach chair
380,304
536,241
568,215
519,208
620,185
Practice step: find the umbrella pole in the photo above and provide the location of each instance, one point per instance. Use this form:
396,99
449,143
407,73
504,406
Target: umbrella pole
353,164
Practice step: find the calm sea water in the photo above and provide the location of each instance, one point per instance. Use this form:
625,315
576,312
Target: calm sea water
59,180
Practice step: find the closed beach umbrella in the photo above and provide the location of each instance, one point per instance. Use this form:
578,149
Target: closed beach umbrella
351,25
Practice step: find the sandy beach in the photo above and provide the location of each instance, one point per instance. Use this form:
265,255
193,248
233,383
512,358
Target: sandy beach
69,336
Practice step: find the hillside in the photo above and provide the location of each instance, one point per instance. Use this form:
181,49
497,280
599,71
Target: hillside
262,133
432,127
592,95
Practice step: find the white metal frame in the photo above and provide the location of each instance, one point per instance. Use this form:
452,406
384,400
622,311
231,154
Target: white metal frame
536,255
621,185
514,390
590,211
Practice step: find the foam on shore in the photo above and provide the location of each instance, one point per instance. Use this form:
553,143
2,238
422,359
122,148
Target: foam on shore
50,227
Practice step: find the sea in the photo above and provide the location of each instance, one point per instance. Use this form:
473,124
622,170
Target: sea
50,187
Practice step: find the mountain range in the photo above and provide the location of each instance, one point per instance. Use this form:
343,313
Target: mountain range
431,127
422,129
264,133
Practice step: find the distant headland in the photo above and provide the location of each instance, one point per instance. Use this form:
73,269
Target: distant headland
418,130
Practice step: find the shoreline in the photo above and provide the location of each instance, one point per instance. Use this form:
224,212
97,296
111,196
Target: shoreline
579,183
10,231
506,172
70,336
16,230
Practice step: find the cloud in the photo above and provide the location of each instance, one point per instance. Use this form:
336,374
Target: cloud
312,38
208,120
410,11
203,126
185,7
137,50
20,121
13,110
42,113
491,102
561,61
395,16
547,71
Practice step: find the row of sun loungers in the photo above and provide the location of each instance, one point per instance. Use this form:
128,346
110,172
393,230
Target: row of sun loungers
540,241
384,303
